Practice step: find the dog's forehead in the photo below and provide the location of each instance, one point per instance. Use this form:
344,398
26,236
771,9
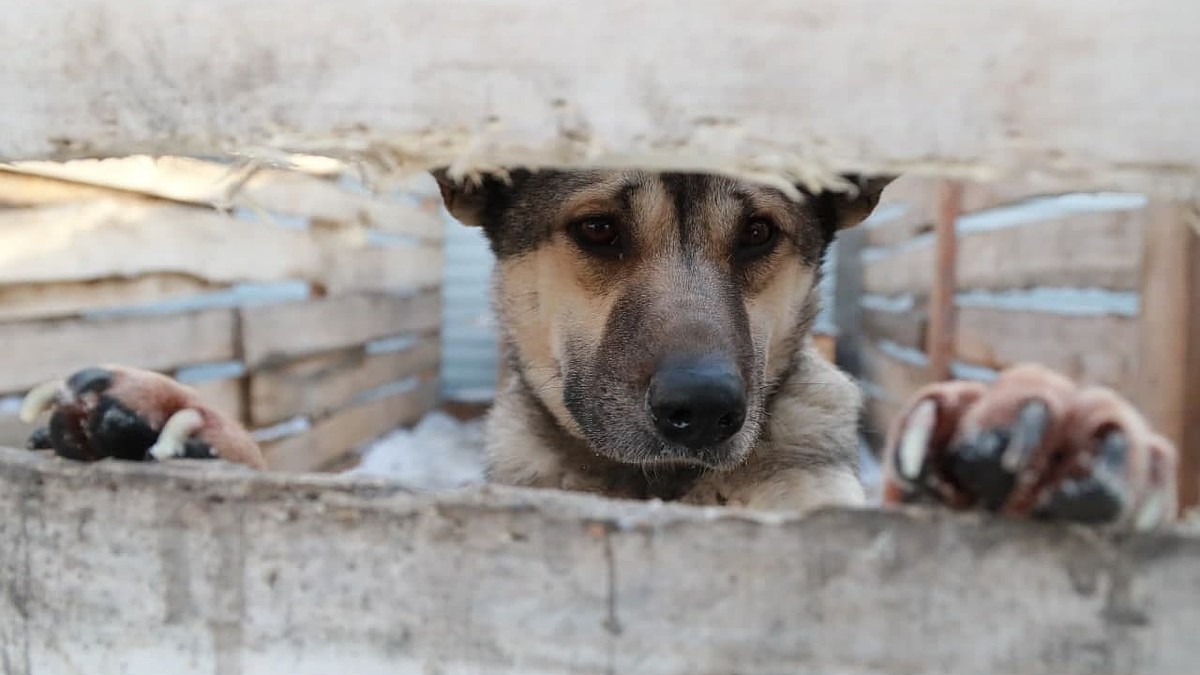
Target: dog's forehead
690,194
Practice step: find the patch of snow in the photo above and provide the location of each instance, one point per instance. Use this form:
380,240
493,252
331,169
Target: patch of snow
10,405
439,453
869,471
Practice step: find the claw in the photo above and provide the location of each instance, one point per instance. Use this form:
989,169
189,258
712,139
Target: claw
978,466
1153,510
90,380
40,399
1027,434
39,440
175,434
914,442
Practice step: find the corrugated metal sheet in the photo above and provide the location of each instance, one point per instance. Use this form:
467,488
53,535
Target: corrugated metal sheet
468,333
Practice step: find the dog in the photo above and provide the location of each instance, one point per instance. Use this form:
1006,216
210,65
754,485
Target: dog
657,337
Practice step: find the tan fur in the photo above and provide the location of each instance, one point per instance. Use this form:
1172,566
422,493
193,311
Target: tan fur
556,302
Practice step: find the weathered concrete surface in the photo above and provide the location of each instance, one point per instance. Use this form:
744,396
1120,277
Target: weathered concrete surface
190,568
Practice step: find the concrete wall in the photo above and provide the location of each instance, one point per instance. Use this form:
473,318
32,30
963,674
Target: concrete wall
200,568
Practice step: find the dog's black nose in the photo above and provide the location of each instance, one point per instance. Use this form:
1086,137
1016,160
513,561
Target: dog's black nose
697,400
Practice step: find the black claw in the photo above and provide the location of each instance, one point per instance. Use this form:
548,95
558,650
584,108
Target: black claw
90,380
39,440
1027,434
987,466
977,466
195,448
1098,498
1088,500
117,431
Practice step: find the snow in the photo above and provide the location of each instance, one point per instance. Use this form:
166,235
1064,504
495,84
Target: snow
439,453
443,453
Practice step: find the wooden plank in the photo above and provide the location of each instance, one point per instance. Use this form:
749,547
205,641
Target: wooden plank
225,396
415,85
345,431
278,191
41,301
981,196
1088,250
18,190
320,384
898,379
1169,368
281,332
123,238
353,269
54,349
1093,349
919,195
907,329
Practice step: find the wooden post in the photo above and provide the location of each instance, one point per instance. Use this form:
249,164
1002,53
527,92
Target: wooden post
940,340
1169,387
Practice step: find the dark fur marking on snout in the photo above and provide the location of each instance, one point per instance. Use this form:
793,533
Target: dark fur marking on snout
606,392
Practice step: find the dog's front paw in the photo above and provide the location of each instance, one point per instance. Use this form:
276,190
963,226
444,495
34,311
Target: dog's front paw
132,414
1031,444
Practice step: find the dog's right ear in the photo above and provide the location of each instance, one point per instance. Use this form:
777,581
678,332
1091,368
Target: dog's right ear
476,200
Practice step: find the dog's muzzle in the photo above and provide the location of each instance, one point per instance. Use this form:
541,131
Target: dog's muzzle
697,400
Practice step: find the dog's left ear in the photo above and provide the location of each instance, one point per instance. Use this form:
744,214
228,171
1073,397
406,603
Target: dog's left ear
479,200
840,210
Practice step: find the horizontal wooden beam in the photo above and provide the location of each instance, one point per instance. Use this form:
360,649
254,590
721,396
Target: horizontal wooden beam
193,181
989,89
320,384
276,334
225,396
346,430
1101,250
128,237
1091,349
307,575
69,298
897,379
44,350
906,328
914,198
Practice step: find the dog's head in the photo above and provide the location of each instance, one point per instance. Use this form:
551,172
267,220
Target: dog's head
651,313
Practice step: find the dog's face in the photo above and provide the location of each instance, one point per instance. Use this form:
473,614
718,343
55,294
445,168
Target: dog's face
652,313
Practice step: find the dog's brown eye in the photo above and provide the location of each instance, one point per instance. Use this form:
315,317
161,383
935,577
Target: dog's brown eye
597,235
756,238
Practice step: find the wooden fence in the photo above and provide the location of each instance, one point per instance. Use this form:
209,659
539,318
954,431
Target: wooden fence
1101,286
294,300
